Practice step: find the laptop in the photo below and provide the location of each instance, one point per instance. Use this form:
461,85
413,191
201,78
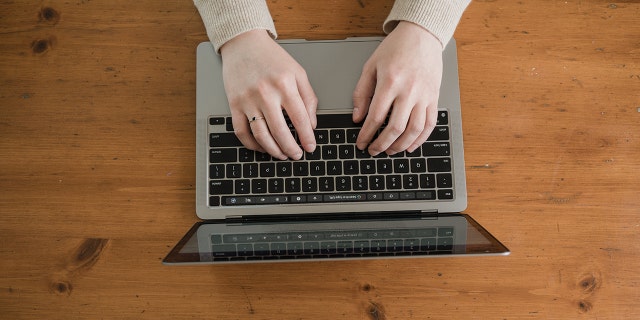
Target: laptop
337,203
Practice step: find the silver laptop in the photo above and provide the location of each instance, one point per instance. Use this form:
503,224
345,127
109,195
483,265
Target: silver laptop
338,202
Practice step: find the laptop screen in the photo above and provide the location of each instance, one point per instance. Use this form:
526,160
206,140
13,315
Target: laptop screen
221,242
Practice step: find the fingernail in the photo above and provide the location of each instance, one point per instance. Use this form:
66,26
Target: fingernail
310,147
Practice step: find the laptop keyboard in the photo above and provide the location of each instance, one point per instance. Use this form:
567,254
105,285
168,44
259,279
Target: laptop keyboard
335,172
332,244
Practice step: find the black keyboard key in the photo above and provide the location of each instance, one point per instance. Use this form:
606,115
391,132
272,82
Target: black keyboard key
294,248
250,170
361,246
443,117
279,248
416,153
223,155
367,166
334,168
376,182
245,155
384,166
243,186
360,183
337,136
444,180
328,247
292,185
394,182
217,187
352,135
439,164
309,185
311,248
351,167
427,181
315,155
234,170
326,184
346,151
418,165
427,244
316,168
362,154
445,194
436,149
261,157
343,183
276,185
224,139
329,152
283,169
410,181
214,201
259,186
268,169
300,168
439,133
216,171
344,247
216,120
401,165
322,136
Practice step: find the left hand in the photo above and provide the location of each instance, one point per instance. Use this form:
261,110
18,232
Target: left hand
402,77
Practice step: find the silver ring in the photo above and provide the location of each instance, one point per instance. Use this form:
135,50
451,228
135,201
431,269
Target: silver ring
255,119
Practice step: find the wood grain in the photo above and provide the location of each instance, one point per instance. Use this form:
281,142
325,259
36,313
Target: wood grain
97,174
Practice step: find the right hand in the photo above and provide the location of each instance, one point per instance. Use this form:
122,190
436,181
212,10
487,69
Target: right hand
261,79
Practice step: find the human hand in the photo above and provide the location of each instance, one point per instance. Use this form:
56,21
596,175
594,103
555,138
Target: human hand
261,79
402,77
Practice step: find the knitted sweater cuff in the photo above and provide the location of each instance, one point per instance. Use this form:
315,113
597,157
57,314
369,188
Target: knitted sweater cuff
225,19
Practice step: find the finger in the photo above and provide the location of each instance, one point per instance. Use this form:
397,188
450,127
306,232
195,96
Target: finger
309,98
362,94
430,124
395,128
262,135
279,131
378,111
415,126
297,112
243,131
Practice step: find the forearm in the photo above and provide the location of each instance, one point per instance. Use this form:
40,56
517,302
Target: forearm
440,17
225,19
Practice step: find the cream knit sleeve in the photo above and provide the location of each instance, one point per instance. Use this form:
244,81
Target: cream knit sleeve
225,19
440,17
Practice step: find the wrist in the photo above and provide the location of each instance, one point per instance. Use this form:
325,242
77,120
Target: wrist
418,31
243,39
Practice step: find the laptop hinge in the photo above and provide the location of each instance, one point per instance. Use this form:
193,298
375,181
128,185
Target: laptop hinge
378,215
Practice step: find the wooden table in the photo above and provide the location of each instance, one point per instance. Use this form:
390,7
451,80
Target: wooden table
97,171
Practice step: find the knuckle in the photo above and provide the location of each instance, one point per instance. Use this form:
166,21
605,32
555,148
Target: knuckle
395,129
